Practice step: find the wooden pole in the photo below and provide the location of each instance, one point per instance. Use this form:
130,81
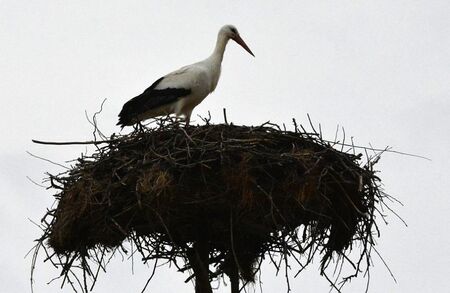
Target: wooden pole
199,259
234,279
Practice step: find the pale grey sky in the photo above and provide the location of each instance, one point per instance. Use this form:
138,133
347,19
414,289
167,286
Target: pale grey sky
380,69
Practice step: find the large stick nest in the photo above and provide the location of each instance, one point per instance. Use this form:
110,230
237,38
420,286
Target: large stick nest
248,192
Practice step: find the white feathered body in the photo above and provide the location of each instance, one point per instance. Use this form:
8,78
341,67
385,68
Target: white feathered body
201,78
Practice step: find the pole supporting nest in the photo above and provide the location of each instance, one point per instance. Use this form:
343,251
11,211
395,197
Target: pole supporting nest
199,259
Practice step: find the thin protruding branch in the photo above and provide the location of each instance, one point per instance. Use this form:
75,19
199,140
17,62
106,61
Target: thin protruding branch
93,142
225,116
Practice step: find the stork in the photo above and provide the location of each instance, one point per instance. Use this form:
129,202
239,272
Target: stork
181,90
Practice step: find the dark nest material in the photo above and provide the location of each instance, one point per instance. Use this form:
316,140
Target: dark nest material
214,200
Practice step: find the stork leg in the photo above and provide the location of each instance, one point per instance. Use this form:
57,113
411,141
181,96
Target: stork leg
141,126
188,118
138,126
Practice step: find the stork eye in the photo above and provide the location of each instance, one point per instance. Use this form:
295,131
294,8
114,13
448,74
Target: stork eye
233,30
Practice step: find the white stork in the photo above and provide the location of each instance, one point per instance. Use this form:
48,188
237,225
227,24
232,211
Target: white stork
180,91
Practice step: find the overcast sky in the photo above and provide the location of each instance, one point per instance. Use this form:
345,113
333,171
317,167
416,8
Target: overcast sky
380,69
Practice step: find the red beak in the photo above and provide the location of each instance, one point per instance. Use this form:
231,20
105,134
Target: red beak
241,42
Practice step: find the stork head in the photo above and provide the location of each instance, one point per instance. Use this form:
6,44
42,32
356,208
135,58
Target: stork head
231,32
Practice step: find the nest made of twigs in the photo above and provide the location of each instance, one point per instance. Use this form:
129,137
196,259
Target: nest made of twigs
242,191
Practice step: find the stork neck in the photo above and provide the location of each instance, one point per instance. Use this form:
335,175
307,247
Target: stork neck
219,50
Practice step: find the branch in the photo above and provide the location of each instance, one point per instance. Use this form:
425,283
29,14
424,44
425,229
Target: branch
73,142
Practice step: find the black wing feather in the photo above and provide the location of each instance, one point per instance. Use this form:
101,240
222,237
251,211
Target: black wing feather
150,99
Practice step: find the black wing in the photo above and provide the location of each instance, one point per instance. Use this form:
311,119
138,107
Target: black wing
150,99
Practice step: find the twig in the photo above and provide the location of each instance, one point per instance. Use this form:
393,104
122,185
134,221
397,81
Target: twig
74,142
225,116
47,160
